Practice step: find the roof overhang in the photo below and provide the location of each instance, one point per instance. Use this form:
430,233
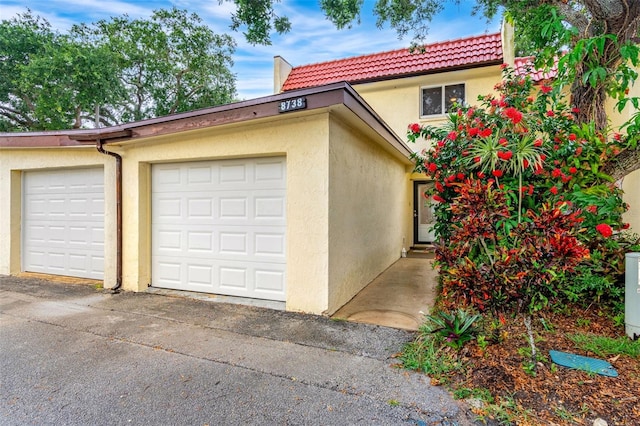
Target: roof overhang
325,97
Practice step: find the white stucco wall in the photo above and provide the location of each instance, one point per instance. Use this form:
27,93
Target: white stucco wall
15,161
368,212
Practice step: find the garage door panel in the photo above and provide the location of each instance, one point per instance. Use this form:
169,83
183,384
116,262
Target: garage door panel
219,227
259,244
63,222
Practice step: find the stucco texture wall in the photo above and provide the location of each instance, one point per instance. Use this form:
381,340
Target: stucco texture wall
631,182
13,162
368,212
398,101
304,143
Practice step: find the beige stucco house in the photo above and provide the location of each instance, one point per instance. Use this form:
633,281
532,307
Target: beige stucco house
300,198
276,198
401,86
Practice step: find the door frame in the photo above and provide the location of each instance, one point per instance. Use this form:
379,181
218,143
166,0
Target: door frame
416,199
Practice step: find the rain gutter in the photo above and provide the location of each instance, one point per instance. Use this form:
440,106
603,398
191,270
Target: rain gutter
101,137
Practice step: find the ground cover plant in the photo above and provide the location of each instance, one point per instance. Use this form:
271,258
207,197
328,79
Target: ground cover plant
530,252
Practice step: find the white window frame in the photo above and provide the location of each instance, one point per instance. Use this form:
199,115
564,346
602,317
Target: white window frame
443,102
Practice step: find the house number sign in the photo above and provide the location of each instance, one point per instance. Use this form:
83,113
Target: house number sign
292,104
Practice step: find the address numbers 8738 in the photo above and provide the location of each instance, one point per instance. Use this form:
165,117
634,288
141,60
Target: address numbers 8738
292,104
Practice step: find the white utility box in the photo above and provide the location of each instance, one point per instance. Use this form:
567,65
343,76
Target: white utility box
632,295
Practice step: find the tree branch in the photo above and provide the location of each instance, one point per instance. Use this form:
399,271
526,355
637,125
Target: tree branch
623,164
574,17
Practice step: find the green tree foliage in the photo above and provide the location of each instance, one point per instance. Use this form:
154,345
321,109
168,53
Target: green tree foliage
49,80
112,71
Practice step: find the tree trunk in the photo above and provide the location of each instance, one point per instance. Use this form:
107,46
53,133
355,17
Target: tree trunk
590,102
619,17
623,164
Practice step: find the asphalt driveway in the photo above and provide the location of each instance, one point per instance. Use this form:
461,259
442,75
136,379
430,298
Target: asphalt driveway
73,355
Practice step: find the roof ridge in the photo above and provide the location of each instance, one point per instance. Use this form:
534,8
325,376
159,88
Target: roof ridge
445,42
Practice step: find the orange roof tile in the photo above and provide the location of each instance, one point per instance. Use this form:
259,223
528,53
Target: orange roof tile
453,54
524,65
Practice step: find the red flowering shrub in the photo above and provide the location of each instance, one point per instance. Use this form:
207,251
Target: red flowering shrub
515,179
491,268
604,230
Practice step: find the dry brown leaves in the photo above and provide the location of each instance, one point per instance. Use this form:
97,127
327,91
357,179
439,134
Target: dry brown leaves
556,395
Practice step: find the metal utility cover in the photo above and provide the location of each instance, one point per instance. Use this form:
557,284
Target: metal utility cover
591,365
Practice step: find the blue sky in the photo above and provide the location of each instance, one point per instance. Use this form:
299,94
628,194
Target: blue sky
312,39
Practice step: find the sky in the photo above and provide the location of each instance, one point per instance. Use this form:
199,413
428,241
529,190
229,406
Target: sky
312,38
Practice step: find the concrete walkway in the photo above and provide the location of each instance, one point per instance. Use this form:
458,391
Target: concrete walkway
399,297
74,355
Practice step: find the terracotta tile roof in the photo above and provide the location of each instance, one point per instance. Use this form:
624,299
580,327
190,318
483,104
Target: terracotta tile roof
453,54
524,65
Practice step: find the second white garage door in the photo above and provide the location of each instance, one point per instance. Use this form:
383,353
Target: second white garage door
63,222
219,227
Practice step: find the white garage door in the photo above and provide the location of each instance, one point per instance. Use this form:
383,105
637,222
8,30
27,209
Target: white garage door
63,222
219,227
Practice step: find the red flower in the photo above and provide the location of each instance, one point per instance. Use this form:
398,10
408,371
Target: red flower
625,226
460,176
503,66
438,198
486,133
432,167
476,159
550,113
439,187
525,163
503,141
513,114
573,170
473,131
575,110
497,173
572,137
543,157
556,173
604,230
578,151
592,209
481,175
537,143
440,144
415,128
554,190
545,89
617,136
452,136
505,155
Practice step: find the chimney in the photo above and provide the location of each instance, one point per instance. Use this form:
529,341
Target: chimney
281,70
508,43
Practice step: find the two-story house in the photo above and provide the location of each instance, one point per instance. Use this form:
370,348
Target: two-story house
299,199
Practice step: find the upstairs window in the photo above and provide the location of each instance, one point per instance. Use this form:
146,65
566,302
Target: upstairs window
439,100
